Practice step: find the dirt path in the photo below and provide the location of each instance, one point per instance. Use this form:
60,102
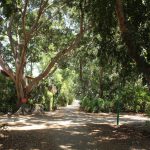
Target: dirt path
70,129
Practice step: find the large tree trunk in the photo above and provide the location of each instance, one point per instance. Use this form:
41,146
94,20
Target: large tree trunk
132,48
21,91
21,84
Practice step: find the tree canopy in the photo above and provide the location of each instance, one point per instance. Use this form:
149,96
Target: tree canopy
31,29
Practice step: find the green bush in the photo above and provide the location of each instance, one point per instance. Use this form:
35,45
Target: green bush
42,95
132,98
95,105
8,97
71,97
148,108
62,100
129,98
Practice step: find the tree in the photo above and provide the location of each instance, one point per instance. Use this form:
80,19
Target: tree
133,23
28,24
121,36
133,48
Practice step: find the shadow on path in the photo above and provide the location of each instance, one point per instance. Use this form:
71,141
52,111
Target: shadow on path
87,137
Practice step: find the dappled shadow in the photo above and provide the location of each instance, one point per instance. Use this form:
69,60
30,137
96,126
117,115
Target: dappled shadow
68,128
90,136
70,115
81,118
62,117
119,138
47,139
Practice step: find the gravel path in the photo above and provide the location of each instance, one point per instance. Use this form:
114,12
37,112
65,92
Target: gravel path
70,129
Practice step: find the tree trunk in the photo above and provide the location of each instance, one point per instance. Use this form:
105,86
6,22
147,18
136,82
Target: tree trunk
21,92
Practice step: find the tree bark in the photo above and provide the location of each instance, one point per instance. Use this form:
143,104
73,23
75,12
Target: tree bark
132,48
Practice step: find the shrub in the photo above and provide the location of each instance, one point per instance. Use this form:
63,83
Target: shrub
8,95
148,108
62,101
95,105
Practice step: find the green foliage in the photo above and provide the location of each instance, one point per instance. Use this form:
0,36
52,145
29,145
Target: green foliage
9,7
42,95
148,108
8,98
130,98
133,98
95,105
64,80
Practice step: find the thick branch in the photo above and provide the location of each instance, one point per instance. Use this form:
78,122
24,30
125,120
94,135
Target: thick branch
40,12
120,15
24,19
24,28
20,66
40,24
59,55
81,17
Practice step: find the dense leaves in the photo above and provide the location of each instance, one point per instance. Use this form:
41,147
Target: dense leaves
8,98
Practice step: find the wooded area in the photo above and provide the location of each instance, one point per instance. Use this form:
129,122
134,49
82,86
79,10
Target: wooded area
95,51
53,52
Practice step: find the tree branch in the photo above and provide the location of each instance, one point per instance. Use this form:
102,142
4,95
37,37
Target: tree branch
9,33
54,60
81,16
20,61
24,19
39,25
59,56
40,12
24,48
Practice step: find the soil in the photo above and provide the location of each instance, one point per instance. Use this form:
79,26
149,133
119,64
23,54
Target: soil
70,129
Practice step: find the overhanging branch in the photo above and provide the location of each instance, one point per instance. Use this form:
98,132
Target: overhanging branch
54,60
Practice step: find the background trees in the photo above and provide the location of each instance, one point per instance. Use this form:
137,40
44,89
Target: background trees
122,49
111,62
128,18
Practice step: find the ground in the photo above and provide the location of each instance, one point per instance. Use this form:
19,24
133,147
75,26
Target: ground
70,129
